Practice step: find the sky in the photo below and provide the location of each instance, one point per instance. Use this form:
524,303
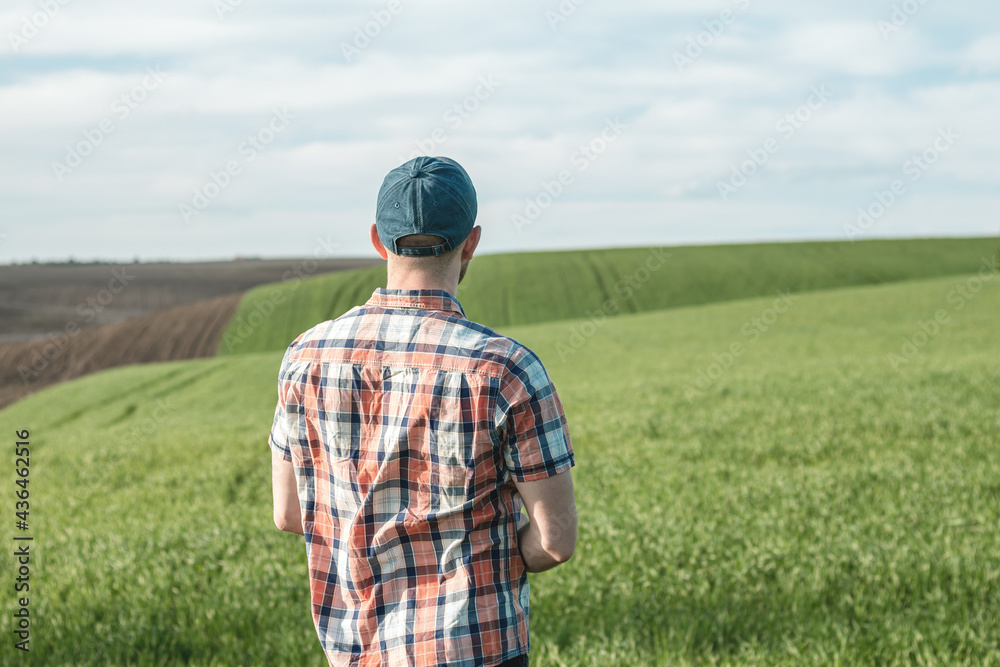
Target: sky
211,129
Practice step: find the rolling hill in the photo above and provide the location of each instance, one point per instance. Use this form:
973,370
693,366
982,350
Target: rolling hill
501,290
528,288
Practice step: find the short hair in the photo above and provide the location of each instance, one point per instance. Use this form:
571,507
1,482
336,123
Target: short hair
422,241
418,240
437,265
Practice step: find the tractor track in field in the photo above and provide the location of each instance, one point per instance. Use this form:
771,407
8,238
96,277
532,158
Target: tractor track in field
184,332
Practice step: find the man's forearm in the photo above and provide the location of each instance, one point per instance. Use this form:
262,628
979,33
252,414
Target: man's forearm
549,537
294,529
291,525
534,555
287,513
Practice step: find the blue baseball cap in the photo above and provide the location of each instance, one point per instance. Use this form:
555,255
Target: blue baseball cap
427,195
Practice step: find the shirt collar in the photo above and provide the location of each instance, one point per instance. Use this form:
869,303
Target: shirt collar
421,299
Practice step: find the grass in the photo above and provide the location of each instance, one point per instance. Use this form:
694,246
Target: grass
811,504
150,490
529,288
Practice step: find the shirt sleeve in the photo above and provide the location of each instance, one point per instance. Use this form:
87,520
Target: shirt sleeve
283,426
537,441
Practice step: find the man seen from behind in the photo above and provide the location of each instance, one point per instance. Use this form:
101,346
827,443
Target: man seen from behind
406,441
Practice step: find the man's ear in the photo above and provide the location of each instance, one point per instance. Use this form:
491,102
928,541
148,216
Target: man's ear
471,243
377,243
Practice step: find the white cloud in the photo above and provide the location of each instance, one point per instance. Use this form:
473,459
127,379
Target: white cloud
846,47
983,55
557,88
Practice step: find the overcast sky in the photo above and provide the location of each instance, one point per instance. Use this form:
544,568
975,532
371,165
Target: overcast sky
196,129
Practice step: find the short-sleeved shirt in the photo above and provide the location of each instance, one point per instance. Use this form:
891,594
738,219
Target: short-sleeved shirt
407,425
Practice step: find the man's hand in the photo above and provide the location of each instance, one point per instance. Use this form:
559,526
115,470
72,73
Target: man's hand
549,537
287,515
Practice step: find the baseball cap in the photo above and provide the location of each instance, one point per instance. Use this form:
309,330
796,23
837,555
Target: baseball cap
427,195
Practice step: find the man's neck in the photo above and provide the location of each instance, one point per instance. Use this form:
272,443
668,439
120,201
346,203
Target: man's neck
414,281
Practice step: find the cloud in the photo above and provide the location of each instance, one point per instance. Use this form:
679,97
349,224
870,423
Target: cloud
853,48
983,56
415,84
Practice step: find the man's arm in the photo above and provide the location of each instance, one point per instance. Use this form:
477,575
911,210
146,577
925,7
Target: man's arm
549,538
287,516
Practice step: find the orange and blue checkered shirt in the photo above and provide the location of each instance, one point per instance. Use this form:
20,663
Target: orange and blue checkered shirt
407,425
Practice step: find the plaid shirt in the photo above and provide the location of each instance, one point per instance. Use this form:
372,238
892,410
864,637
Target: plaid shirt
407,425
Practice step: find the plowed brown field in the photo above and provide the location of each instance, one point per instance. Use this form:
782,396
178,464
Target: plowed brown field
61,321
37,299
185,332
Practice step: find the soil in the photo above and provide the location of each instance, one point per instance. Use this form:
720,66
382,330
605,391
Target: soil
36,299
62,321
185,332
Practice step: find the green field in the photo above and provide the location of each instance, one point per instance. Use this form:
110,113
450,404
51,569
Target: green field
528,288
816,486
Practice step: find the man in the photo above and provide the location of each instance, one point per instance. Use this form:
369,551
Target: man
406,442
